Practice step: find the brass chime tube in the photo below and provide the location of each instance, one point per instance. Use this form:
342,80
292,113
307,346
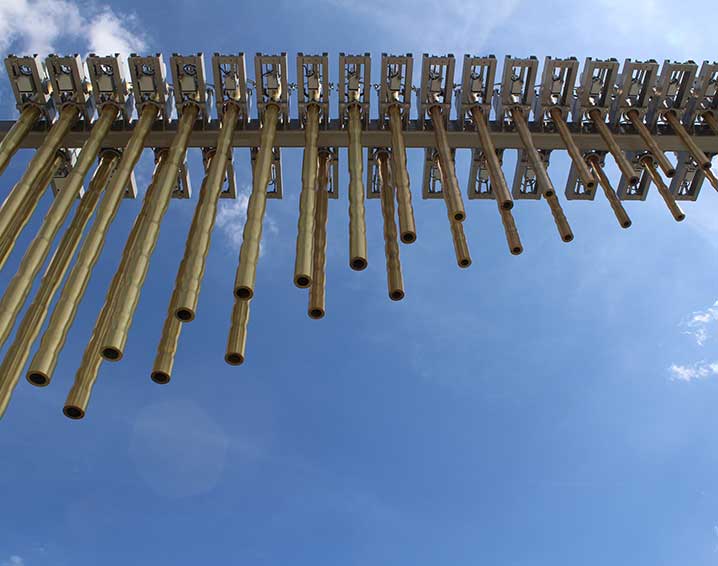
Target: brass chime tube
237,339
564,229
357,221
86,376
191,270
130,286
394,278
651,144
307,200
450,185
31,324
34,257
671,203
496,173
167,348
252,234
38,165
23,217
699,156
512,234
621,160
317,292
461,248
407,225
584,173
12,140
43,364
544,181
711,121
613,200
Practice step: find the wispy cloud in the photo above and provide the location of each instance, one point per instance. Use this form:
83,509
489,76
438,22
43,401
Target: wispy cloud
231,216
699,323
693,372
14,560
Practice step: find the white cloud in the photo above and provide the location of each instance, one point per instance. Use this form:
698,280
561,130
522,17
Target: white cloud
693,372
231,216
14,560
108,33
699,323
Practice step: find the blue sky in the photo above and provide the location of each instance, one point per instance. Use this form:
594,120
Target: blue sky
552,408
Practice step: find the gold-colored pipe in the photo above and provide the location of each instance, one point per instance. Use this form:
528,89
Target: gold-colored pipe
317,290
237,339
12,140
651,144
711,121
17,355
711,178
676,212
512,234
407,225
191,271
252,234
613,200
582,169
28,207
43,364
699,156
34,257
357,221
620,158
86,376
450,185
564,229
394,278
461,248
38,165
544,181
496,173
128,294
167,348
307,200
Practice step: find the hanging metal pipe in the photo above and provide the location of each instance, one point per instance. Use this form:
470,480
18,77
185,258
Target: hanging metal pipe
407,225
12,140
676,212
128,294
584,173
357,221
450,185
43,364
38,165
621,160
237,339
496,173
317,292
394,278
252,234
711,121
167,348
512,234
20,285
544,181
699,156
564,229
461,248
651,144
17,355
613,200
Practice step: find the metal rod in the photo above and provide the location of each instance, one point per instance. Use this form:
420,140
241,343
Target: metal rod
317,291
711,121
671,203
29,328
651,144
699,156
544,181
407,224
43,364
307,200
584,173
496,173
167,348
394,278
613,200
461,248
450,185
620,158
12,140
564,229
237,338
357,221
512,234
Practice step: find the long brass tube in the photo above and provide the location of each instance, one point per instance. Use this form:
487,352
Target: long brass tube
252,234
407,224
28,207
34,257
651,144
496,173
307,200
461,248
544,181
167,348
613,200
43,364
12,140
676,212
564,229
711,121
357,221
317,293
584,173
38,165
699,156
394,278
512,234
619,157
128,294
237,339
450,185
17,355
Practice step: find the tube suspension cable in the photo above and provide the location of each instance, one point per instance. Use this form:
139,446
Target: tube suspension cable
613,200
620,158
407,224
394,278
317,291
357,221
651,144
12,140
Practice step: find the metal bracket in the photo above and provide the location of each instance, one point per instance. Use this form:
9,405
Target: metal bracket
596,91
437,86
274,187
517,86
687,182
479,186
30,84
640,190
575,189
395,86
557,88
59,179
229,184
189,84
108,84
69,84
431,187
634,89
525,182
230,85
705,93
477,86
672,91
149,84
313,85
131,188
354,85
270,75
